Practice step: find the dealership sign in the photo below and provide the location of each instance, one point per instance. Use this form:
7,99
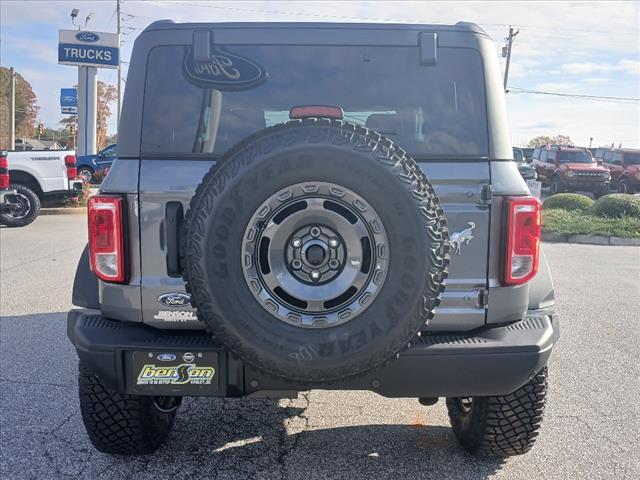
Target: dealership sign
69,101
88,49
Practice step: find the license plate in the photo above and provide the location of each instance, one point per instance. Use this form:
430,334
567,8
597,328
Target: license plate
173,372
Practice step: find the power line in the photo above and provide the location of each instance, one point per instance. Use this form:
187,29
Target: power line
576,95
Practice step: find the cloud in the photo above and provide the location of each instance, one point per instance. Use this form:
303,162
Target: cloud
629,66
596,80
555,87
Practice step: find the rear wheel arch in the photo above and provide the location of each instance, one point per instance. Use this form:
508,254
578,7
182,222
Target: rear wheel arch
26,179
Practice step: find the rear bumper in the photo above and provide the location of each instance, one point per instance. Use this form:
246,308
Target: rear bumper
4,202
491,361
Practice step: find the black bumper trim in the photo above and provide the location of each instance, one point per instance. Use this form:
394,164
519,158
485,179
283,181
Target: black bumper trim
491,361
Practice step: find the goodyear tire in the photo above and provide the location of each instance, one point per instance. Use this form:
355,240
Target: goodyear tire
28,207
316,250
123,424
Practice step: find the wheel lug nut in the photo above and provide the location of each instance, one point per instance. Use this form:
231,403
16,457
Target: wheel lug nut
296,264
315,232
334,242
334,264
296,242
315,275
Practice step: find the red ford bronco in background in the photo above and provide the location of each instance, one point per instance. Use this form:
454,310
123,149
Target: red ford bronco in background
624,167
572,169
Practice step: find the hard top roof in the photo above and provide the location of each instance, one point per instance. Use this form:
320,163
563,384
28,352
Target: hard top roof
462,27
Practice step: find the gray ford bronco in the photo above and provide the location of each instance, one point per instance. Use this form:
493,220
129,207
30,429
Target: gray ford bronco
313,206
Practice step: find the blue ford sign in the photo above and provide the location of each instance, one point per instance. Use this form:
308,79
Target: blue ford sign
87,37
69,101
89,49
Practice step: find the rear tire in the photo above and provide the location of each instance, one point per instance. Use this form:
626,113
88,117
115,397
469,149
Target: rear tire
29,207
500,426
123,424
625,186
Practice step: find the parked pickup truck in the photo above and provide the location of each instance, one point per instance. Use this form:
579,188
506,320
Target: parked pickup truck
28,177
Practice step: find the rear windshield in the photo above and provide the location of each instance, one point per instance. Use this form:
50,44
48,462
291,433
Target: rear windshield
575,157
429,110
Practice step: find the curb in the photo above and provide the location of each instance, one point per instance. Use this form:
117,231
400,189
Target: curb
64,211
590,239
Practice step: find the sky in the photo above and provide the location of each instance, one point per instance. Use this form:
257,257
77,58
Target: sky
575,48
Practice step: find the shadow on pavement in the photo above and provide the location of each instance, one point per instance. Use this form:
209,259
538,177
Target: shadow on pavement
43,436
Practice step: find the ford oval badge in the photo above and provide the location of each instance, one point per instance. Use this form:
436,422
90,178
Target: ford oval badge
166,357
176,300
223,71
87,37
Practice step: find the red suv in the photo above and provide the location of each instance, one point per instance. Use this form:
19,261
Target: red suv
571,169
624,165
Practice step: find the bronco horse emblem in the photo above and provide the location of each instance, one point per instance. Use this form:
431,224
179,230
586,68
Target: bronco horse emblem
458,238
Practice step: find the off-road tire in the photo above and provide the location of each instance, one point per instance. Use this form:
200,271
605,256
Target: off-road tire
307,151
625,186
118,423
501,426
34,208
556,186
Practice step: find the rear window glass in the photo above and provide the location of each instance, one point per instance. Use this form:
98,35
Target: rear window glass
575,157
429,110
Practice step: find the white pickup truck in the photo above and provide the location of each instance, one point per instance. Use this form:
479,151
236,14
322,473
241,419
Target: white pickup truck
29,177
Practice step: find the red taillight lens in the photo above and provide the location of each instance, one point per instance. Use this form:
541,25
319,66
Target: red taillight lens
4,172
523,239
70,163
316,111
106,241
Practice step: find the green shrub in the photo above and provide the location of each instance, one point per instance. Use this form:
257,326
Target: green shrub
568,201
616,205
565,222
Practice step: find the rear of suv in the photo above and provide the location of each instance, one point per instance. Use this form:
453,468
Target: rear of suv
624,166
570,169
299,206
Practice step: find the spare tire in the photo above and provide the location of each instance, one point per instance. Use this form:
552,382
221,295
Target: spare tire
315,250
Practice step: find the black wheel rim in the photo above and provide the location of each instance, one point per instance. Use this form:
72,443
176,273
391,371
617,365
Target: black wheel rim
315,255
22,205
622,187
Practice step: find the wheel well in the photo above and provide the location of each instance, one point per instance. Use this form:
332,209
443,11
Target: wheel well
555,175
26,179
88,167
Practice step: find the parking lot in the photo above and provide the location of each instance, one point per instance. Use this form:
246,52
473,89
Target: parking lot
590,430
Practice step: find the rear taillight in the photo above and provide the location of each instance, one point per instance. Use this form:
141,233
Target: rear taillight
106,238
4,172
70,163
523,239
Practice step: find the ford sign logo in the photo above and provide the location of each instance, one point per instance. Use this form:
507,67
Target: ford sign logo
87,37
175,300
166,357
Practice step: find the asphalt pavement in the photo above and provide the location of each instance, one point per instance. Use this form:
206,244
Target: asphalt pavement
591,427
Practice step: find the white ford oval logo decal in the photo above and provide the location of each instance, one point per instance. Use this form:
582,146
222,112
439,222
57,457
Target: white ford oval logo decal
175,300
87,37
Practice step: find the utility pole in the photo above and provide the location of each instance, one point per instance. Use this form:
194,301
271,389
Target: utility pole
119,65
506,52
12,109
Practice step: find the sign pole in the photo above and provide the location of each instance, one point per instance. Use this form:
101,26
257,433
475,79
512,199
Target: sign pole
87,109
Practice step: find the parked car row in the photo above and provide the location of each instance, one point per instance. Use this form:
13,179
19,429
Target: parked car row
571,169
